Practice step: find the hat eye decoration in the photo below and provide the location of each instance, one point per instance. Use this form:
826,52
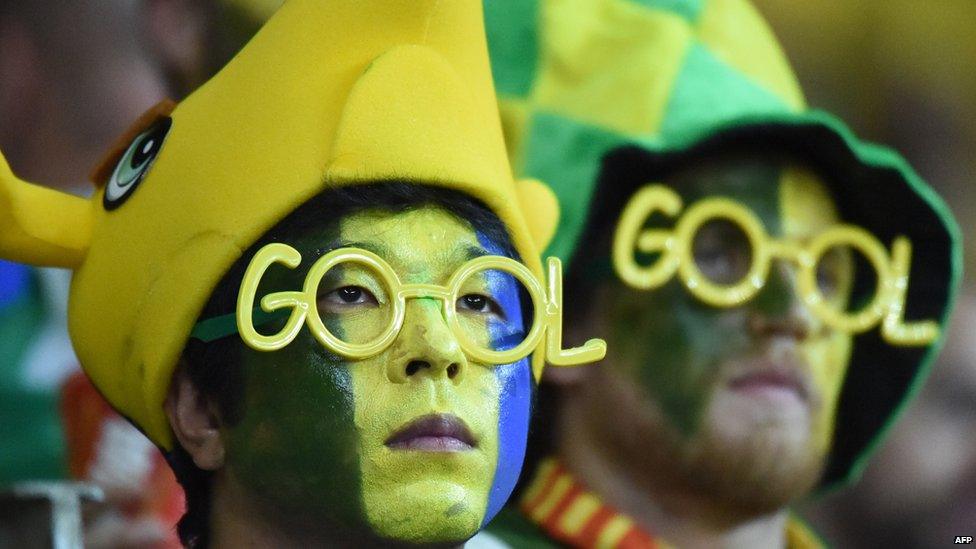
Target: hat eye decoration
135,163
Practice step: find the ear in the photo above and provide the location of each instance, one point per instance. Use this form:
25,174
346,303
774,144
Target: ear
42,226
195,422
536,197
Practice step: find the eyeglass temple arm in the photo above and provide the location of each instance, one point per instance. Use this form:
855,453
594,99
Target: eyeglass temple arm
591,351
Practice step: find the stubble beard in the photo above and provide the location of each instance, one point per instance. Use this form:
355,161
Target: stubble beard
746,466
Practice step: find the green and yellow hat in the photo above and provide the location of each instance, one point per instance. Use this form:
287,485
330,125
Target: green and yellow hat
328,93
591,86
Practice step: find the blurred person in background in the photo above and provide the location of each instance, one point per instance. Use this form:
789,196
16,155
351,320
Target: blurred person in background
193,39
73,74
902,71
707,421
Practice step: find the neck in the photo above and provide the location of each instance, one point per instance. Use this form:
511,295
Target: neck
236,521
659,505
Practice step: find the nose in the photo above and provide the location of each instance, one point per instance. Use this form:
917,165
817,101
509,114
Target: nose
779,310
426,347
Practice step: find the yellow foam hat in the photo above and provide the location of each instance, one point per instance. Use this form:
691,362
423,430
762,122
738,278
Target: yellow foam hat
328,93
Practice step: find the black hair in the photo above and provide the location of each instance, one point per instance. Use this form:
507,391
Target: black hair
214,368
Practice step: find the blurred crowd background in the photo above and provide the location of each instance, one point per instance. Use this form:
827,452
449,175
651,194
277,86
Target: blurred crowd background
900,73
74,74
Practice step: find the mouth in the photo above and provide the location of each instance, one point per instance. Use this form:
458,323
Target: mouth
433,433
772,382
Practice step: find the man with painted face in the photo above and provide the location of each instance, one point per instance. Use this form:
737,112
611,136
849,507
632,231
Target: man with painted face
772,289
312,285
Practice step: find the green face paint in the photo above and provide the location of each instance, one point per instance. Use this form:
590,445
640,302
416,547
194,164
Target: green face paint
684,353
315,441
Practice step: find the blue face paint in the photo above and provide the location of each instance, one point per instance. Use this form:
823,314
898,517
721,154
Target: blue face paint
515,387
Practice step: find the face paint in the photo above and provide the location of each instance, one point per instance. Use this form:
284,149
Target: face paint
736,403
807,210
328,425
296,447
693,350
673,343
515,387
469,313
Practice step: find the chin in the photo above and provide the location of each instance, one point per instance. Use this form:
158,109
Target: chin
755,453
428,512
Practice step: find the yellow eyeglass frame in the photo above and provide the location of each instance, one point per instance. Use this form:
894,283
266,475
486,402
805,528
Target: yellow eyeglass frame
546,321
676,256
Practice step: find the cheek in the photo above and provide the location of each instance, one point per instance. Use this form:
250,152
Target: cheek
296,445
672,346
516,386
828,359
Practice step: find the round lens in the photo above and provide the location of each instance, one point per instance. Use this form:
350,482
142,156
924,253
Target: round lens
719,240
844,287
722,252
354,302
494,310
837,270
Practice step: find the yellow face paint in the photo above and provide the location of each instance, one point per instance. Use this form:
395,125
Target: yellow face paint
806,210
413,495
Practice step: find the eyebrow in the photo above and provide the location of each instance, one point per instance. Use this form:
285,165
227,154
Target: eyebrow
377,249
471,252
468,252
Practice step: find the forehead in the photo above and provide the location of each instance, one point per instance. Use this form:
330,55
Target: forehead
424,236
790,198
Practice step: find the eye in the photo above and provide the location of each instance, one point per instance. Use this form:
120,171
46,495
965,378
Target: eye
833,271
347,298
477,303
351,294
722,252
135,163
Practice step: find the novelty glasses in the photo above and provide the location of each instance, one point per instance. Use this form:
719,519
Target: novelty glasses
354,304
675,255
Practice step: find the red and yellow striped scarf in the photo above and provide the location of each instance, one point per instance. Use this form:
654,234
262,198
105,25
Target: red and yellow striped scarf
569,513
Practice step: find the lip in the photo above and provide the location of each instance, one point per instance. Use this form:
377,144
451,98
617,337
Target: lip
433,433
772,382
